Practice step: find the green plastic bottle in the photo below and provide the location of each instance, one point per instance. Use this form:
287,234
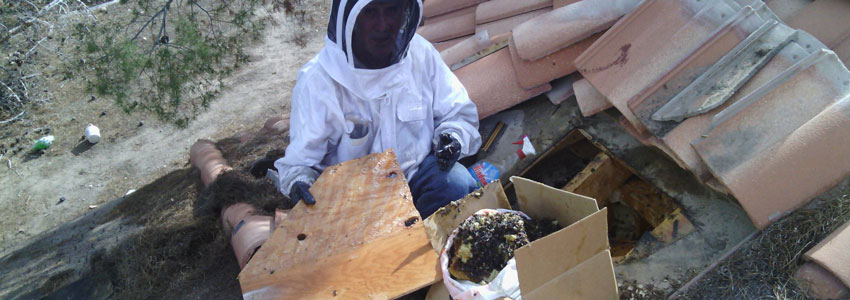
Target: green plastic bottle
43,143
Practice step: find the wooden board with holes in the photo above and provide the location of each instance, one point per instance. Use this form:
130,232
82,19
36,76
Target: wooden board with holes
599,179
363,238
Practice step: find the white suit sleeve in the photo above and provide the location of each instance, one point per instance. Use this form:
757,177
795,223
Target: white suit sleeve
454,112
313,130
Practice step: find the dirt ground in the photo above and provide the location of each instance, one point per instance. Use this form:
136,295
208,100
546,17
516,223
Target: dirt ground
135,151
132,155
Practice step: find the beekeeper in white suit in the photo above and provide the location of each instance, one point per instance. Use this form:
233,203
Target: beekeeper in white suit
378,85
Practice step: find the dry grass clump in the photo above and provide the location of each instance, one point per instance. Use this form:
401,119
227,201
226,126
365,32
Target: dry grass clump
764,267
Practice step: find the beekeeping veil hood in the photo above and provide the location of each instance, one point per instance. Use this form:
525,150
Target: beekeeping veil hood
337,57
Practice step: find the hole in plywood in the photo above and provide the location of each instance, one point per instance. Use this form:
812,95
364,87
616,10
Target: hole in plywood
637,210
302,236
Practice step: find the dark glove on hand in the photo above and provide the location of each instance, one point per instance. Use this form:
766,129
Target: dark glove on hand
448,151
301,191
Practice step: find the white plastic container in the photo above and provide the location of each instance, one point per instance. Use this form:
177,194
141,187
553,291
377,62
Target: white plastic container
92,134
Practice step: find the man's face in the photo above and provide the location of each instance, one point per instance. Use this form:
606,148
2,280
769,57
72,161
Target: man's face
375,33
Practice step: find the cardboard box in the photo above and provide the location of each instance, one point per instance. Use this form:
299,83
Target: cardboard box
572,263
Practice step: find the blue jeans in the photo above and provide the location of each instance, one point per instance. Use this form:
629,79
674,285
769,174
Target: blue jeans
433,188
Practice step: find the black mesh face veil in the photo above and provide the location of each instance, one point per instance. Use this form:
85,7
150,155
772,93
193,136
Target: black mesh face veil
410,15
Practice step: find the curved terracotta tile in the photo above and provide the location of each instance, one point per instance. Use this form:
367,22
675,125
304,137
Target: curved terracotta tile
831,253
433,8
442,46
826,20
553,66
466,47
232,215
562,3
499,9
590,101
492,84
505,25
567,25
821,284
208,159
647,44
249,236
448,26
789,144
276,125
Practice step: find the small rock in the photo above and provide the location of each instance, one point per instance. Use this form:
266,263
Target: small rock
61,199
92,206
73,119
141,123
92,98
103,113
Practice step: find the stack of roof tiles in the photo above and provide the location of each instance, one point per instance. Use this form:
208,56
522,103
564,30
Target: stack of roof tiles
755,103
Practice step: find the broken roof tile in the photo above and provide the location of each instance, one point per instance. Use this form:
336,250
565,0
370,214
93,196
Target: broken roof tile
507,24
499,9
567,25
432,8
831,253
649,42
826,20
786,142
448,26
492,84
590,101
551,67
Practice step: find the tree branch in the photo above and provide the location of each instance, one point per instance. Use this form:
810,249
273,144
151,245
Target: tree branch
13,118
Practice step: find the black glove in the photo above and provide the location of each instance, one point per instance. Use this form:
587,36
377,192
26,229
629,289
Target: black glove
448,151
301,191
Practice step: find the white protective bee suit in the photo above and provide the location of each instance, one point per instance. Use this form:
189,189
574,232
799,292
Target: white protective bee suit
341,112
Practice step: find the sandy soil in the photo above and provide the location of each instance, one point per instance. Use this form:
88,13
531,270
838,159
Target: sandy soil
131,155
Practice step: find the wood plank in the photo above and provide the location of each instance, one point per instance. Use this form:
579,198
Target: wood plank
647,200
673,228
599,179
353,240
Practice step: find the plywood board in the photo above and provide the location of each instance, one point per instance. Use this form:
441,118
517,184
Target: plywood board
363,238
599,179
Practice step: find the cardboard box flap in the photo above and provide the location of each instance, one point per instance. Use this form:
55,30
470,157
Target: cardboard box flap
544,202
562,250
441,223
592,279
